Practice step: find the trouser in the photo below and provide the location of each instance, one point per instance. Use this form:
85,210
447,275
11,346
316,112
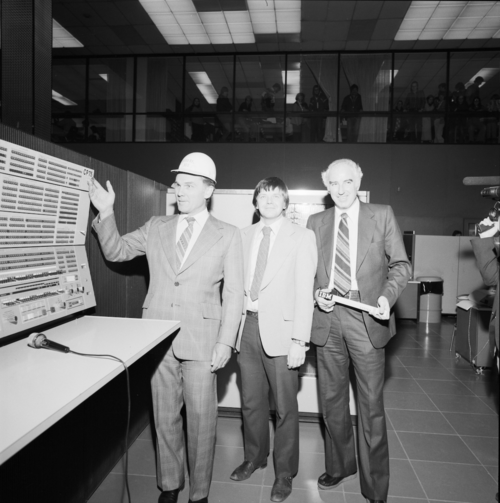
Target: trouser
176,383
348,340
259,374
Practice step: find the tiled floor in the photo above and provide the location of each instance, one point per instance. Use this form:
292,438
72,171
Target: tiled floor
442,427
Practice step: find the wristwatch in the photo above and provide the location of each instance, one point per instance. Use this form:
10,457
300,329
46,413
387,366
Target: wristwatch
302,344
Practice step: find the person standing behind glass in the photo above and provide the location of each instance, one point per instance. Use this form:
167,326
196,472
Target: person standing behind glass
224,105
247,125
439,121
197,122
415,103
352,104
299,123
318,104
426,120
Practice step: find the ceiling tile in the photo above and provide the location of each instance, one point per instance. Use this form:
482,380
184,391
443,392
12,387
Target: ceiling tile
367,10
161,48
385,29
85,14
139,49
334,45
425,44
134,12
100,50
106,35
311,45
233,5
128,35
207,5
447,44
493,43
356,45
109,13
312,30
394,10
85,35
336,30
404,45
150,34
119,49
64,17
340,11
314,10
361,29
473,43
267,47
266,38
379,45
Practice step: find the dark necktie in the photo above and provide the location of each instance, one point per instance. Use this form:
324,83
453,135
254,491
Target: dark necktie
183,242
260,266
343,258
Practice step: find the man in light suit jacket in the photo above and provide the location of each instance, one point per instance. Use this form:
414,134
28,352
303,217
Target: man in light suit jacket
280,264
361,257
190,256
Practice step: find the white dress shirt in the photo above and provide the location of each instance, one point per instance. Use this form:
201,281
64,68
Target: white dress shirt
200,219
352,223
254,252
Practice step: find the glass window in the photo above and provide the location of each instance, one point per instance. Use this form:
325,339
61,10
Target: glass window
68,85
159,99
365,86
208,114
475,97
116,128
311,97
419,79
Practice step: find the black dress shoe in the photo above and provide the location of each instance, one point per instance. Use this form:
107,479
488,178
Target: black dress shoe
327,482
169,496
203,500
245,470
282,488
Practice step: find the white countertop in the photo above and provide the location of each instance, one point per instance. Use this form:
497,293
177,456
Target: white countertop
38,386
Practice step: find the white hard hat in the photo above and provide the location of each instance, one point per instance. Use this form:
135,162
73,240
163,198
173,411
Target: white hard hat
198,164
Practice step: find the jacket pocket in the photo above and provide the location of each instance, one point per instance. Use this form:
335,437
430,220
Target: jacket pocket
211,311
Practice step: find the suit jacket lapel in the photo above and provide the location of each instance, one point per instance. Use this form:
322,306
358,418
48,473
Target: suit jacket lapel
366,228
326,241
167,235
209,236
282,247
248,235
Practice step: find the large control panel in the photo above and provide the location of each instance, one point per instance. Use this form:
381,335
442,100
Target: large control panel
44,207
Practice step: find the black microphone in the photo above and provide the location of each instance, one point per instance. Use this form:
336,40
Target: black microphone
39,341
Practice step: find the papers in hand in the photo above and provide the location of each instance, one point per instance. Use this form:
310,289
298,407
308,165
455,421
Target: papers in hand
357,305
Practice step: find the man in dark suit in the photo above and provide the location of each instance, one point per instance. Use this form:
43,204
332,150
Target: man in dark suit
196,268
361,257
280,262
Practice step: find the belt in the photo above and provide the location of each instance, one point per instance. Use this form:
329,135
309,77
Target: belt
351,294
253,314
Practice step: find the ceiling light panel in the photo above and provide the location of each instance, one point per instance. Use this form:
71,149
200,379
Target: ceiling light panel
62,37
450,20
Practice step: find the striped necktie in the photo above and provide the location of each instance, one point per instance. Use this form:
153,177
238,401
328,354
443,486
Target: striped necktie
342,281
260,266
183,242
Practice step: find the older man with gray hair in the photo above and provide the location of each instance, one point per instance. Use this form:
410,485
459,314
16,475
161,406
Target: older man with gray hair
361,257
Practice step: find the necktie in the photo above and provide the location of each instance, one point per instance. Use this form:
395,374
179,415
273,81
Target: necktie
183,242
260,266
343,258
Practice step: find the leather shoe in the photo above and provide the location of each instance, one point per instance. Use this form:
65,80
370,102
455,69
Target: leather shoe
169,496
203,500
282,488
327,482
245,470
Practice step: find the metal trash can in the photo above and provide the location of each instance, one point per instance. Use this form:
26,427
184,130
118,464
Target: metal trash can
431,296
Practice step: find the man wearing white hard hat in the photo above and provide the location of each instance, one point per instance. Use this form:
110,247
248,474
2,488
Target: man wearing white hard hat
190,256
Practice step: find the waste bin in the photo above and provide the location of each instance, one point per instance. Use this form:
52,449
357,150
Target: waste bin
431,296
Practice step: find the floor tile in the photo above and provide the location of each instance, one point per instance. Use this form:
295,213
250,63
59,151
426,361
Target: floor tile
354,497
455,482
418,361
310,495
479,425
396,342
230,431
311,438
435,447
396,450
224,492
438,373
395,499
402,384
437,387
393,362
419,421
407,401
492,402
493,470
227,458
466,403
141,459
418,352
470,375
404,482
483,388
397,372
485,449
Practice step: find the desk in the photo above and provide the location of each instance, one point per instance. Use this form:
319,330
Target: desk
39,387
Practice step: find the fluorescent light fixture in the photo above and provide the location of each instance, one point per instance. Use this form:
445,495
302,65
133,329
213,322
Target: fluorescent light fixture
486,73
61,99
104,76
450,20
292,84
204,84
62,37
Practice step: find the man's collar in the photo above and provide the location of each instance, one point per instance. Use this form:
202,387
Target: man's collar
275,226
200,217
352,211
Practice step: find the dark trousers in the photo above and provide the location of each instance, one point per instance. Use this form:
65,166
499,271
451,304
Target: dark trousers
348,340
259,374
